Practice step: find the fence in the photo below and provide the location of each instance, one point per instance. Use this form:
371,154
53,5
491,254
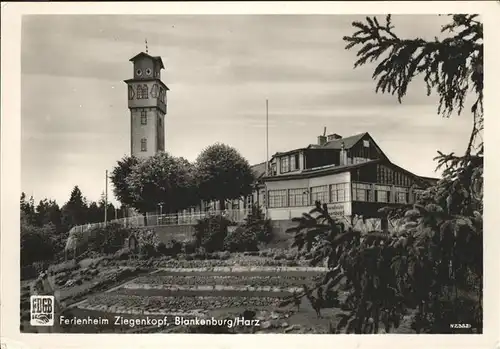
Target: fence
165,220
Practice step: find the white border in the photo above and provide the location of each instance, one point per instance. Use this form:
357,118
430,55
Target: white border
10,176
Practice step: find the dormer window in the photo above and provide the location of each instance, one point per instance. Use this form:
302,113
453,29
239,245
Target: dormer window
285,164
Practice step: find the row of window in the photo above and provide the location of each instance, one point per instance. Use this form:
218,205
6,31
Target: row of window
142,92
335,193
304,196
289,163
388,176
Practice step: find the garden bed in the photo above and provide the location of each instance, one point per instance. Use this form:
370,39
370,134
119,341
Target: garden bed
241,279
135,304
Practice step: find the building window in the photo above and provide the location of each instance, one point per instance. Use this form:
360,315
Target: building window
366,143
298,197
249,201
159,121
293,163
402,195
361,192
144,144
319,194
142,92
277,198
273,169
339,192
144,117
382,193
285,164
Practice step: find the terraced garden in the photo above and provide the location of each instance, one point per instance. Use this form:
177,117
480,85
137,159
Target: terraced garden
191,289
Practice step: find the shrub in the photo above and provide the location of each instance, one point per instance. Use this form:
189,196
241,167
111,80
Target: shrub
108,239
257,224
189,247
210,232
36,244
241,240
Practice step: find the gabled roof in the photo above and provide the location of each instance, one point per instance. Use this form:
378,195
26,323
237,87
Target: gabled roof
143,54
259,170
349,142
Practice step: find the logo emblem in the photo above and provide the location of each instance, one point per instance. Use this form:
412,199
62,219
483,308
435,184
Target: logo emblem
42,310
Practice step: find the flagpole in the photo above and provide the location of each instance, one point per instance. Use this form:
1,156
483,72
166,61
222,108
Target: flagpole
267,160
106,201
267,137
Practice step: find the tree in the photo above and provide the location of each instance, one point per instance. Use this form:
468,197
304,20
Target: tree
162,179
28,211
74,212
223,174
94,214
48,211
119,177
452,68
433,268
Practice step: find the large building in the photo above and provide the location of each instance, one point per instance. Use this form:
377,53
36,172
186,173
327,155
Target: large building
147,102
352,175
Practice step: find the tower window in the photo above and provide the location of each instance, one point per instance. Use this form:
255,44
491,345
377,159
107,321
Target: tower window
148,71
142,92
144,117
144,144
159,121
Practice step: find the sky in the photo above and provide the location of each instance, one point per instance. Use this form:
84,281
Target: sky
220,70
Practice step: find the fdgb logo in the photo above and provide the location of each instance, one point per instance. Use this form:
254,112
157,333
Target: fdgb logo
42,310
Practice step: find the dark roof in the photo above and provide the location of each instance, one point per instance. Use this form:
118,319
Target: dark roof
143,54
349,142
259,170
325,170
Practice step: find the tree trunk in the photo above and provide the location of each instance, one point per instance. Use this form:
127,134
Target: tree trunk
222,204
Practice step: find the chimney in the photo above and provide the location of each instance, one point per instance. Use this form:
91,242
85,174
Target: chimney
343,155
321,140
334,137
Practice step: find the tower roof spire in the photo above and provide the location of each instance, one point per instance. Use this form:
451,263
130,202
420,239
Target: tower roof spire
146,41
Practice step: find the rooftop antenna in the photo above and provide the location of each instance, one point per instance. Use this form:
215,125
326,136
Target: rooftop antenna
146,41
324,132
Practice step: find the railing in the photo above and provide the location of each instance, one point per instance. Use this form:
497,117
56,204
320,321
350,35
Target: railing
165,220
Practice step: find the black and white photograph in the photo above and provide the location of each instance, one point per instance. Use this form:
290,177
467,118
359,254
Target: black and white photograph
251,174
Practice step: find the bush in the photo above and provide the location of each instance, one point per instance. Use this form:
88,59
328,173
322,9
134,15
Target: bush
189,247
257,224
36,244
108,239
210,232
241,240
